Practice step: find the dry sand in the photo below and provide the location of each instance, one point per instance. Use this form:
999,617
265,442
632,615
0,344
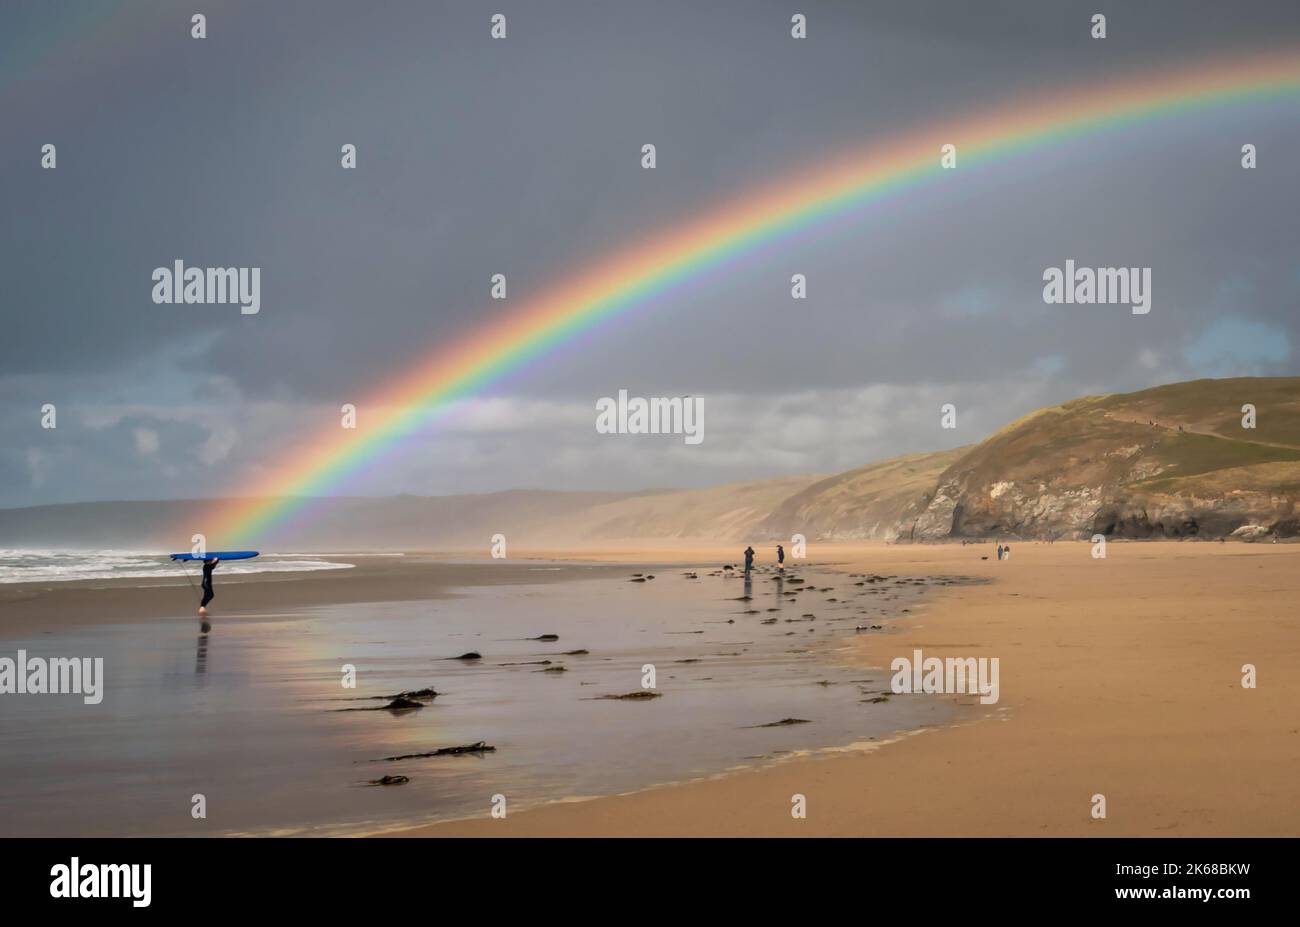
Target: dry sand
1119,676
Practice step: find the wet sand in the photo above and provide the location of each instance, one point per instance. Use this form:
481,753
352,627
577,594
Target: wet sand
1119,677
254,712
28,608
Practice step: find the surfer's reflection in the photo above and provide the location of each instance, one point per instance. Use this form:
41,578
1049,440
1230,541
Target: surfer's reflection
780,587
201,654
749,585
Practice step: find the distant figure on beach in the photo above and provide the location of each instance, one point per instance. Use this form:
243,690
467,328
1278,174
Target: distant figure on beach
749,559
999,551
780,557
1006,552
208,566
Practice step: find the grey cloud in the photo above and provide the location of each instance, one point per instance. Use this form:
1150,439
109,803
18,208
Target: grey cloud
520,157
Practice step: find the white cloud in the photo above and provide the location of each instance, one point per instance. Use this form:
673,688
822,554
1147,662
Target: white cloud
146,441
221,440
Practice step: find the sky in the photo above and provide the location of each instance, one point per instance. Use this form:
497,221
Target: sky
522,156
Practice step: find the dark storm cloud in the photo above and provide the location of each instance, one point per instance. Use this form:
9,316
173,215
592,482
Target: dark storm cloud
521,157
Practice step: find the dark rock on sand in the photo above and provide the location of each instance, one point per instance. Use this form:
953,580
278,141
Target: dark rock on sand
428,693
389,780
784,722
479,747
425,694
638,696
399,703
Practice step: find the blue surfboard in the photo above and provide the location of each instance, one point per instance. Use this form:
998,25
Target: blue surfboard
220,555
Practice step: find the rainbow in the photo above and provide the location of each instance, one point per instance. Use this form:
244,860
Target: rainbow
796,202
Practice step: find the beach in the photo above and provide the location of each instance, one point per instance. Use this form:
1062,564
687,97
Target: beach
1119,677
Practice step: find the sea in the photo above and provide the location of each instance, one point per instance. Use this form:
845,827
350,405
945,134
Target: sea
50,565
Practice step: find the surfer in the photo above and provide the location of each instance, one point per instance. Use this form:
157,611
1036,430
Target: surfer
209,565
749,559
780,558
210,561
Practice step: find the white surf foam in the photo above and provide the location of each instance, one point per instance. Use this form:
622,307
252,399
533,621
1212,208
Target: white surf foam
47,565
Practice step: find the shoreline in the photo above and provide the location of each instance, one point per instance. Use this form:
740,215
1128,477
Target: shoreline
846,652
1106,690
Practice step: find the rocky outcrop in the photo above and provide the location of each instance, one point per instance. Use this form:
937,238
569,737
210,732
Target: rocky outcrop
1172,462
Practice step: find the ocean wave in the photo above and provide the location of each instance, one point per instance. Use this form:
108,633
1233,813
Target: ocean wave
47,565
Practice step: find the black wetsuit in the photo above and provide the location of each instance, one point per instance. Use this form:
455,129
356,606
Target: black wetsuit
208,567
780,555
749,559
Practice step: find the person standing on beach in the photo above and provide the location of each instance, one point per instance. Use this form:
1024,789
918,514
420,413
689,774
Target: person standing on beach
780,558
999,551
749,559
208,566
